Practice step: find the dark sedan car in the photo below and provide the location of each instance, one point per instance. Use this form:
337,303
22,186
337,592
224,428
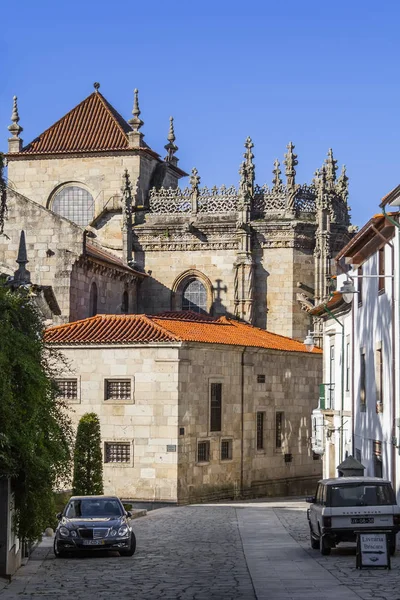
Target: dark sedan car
94,523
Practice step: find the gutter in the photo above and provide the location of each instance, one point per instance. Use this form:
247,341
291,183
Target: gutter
242,421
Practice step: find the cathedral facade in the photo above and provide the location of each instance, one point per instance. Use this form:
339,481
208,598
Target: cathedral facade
108,227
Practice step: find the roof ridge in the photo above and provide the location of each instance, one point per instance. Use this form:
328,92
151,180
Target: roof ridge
164,330
59,120
114,113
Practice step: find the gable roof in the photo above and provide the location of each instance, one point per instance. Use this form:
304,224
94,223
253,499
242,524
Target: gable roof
113,329
368,240
93,125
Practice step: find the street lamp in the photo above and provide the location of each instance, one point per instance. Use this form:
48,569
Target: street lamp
309,342
348,290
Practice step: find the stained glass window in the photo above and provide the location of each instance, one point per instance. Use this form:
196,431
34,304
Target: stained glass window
74,203
195,297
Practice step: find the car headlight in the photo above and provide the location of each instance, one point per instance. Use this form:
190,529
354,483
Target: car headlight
73,533
123,530
64,532
113,532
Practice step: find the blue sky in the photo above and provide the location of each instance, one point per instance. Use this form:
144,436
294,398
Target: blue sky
320,74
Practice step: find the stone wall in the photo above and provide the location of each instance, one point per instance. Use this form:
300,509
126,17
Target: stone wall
54,247
170,413
149,421
291,386
38,178
110,288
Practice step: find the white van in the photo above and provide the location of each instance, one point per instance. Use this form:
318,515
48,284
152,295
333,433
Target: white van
345,504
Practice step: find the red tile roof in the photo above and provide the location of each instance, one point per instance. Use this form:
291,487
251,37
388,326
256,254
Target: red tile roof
104,256
333,303
114,329
93,125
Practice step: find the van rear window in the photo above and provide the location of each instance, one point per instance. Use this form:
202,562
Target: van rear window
361,494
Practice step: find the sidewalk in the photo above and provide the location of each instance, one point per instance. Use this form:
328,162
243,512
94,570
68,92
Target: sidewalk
279,567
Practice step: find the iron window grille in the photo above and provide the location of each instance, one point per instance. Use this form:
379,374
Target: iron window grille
278,429
260,430
260,378
68,388
203,451
74,203
117,452
216,407
118,389
226,450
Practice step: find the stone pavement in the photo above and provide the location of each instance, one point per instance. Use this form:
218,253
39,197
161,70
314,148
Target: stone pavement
244,551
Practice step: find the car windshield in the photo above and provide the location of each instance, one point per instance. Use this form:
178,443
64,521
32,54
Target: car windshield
361,494
93,507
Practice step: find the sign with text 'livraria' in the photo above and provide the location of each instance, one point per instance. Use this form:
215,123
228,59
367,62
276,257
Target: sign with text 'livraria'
373,550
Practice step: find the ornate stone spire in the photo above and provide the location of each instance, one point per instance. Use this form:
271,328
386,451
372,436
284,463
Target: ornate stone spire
127,210
277,181
135,137
171,147
290,162
250,168
330,167
22,276
342,184
15,142
136,122
194,184
247,172
195,180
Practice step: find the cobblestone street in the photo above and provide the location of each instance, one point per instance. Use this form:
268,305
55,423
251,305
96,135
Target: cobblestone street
254,550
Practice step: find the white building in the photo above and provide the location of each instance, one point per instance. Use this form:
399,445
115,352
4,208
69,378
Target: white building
359,413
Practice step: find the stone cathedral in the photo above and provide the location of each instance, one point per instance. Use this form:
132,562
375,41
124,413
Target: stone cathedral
109,230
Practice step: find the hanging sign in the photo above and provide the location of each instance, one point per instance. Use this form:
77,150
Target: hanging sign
372,550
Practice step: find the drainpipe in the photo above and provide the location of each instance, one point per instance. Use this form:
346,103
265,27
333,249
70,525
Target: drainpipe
242,422
341,385
396,224
353,400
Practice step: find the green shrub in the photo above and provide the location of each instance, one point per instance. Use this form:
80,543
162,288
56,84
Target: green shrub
35,431
88,462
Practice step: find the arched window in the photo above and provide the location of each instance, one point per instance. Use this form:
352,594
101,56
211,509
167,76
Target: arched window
125,302
74,203
194,297
93,300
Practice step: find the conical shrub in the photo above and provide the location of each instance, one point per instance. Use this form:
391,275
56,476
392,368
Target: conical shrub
88,462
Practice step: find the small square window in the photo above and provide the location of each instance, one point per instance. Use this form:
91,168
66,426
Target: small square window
260,378
68,388
203,451
118,389
226,450
117,452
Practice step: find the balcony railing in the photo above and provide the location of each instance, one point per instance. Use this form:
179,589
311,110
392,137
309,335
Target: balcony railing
326,396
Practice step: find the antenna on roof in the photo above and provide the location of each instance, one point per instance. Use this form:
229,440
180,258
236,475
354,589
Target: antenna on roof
96,86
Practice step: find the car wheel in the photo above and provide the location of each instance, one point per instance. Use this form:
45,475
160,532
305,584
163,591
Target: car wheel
58,553
324,548
314,541
132,547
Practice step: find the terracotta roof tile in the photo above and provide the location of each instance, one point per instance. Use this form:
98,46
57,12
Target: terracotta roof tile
92,125
113,329
104,256
334,302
